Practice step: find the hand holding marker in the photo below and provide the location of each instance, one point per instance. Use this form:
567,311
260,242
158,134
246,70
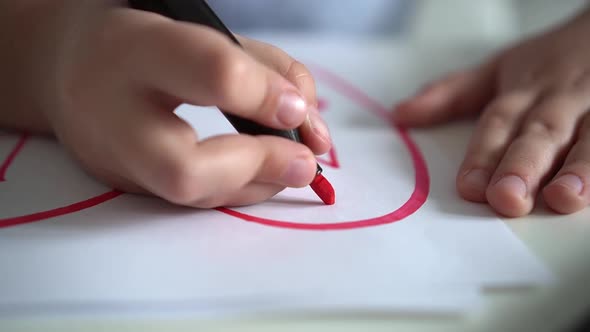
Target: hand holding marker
199,12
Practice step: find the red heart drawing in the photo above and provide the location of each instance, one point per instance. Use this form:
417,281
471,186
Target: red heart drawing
330,160
414,202
421,177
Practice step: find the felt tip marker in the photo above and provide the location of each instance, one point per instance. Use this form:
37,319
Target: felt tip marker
199,12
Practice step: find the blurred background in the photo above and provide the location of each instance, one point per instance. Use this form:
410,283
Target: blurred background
422,20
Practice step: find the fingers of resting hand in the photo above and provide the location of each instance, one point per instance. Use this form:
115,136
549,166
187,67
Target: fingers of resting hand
492,136
456,95
314,131
569,191
544,137
200,66
187,172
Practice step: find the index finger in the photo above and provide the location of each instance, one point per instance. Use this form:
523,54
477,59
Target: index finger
198,65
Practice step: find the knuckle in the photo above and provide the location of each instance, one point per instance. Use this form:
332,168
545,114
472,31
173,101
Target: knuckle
552,131
498,117
180,181
278,59
547,121
301,75
230,73
507,106
296,69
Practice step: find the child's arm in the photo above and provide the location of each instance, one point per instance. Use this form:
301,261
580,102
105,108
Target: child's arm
534,132
105,79
23,69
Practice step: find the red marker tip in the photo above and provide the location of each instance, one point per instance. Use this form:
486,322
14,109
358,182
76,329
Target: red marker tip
323,189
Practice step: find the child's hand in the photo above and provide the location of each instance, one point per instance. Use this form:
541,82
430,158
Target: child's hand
120,73
534,130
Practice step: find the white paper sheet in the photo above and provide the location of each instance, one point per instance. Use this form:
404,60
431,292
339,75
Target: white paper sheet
141,252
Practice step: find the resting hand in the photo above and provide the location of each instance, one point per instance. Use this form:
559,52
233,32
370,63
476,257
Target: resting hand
533,134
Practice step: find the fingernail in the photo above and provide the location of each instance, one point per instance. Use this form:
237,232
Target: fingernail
571,182
291,110
318,126
297,172
476,179
514,184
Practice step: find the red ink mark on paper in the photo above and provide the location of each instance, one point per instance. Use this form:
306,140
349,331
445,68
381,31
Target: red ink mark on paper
414,202
10,158
60,211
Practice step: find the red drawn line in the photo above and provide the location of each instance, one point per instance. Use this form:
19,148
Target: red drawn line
331,160
352,92
10,158
405,210
421,176
60,211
